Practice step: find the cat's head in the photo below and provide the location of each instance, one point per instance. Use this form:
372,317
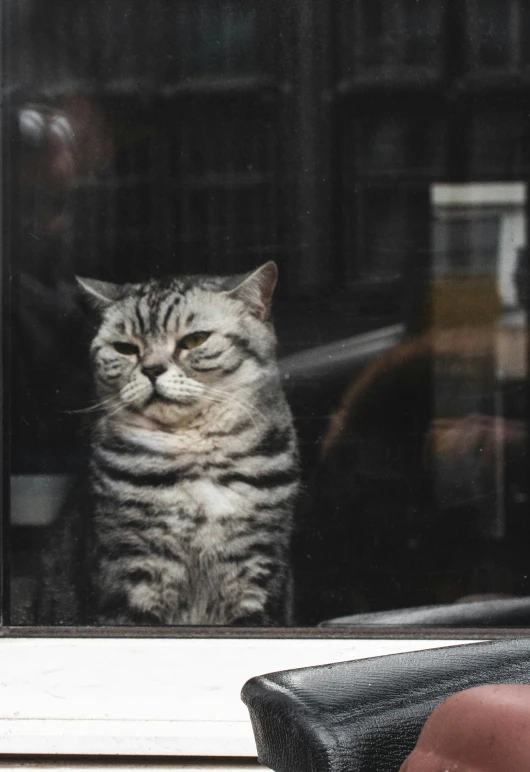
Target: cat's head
168,349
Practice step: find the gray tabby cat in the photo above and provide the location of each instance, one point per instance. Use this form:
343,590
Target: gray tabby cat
186,513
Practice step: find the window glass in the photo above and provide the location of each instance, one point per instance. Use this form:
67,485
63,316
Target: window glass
376,153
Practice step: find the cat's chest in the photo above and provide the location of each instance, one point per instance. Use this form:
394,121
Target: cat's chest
206,515
211,499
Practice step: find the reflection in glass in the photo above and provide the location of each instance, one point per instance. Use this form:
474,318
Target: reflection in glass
479,240
372,150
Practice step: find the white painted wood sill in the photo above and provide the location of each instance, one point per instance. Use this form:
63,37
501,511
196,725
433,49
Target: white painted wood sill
149,697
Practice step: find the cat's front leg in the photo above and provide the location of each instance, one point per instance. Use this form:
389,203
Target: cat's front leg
131,598
267,602
116,610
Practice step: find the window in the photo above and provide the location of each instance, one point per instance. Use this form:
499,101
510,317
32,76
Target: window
388,218
378,153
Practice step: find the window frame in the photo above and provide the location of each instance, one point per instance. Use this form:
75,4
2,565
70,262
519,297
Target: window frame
59,733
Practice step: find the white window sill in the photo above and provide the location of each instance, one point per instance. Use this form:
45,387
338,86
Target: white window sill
152,697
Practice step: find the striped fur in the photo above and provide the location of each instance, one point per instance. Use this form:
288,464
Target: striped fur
186,514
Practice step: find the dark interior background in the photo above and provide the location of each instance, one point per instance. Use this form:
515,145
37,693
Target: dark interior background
213,135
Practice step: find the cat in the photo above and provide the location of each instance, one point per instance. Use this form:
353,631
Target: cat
185,514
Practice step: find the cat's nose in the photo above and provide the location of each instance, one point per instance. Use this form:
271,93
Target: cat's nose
153,371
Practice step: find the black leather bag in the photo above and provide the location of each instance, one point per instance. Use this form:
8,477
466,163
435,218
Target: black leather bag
500,612
365,716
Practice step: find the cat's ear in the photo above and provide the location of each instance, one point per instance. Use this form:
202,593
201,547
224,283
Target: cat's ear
257,290
100,294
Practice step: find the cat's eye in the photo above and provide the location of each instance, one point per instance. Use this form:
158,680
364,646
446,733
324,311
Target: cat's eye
129,349
193,340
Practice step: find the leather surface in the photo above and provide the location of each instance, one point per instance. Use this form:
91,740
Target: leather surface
365,716
504,612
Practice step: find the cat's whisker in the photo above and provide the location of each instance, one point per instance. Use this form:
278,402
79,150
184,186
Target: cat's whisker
121,406
234,401
93,408
251,412
218,400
